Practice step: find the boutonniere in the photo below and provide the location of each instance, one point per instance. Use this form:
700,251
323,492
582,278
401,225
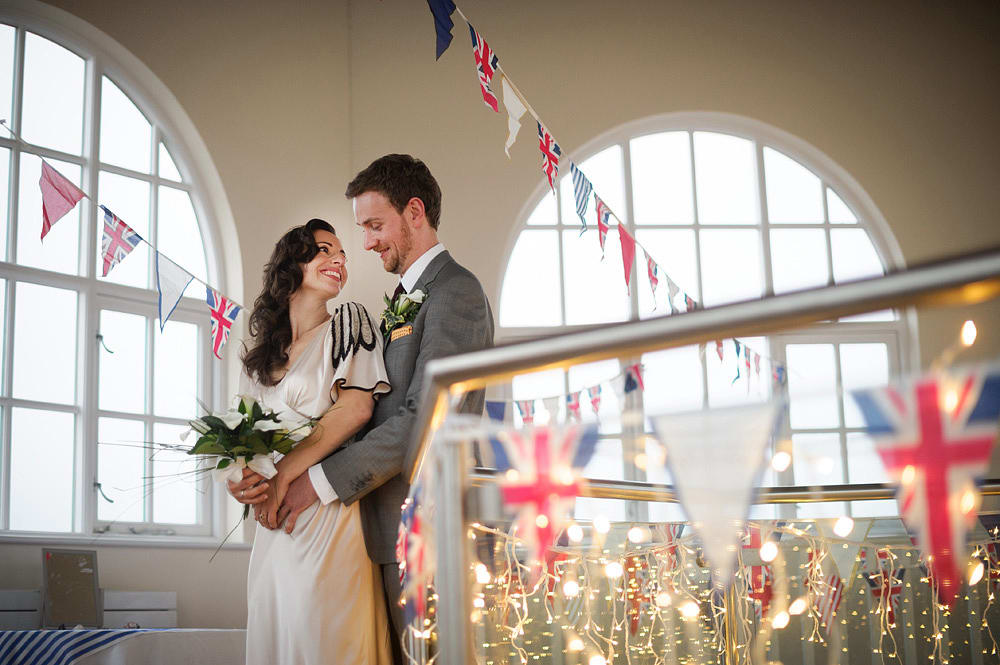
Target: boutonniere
401,310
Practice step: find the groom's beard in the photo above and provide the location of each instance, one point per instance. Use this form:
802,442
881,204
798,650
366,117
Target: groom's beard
397,256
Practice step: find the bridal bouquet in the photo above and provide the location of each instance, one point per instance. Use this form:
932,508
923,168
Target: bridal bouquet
246,437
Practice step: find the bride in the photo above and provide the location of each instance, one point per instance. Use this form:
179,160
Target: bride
313,595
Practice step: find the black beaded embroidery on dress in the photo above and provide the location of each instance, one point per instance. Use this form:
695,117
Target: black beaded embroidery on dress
352,330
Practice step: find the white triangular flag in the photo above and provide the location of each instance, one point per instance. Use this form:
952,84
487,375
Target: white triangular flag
552,406
716,458
171,281
845,554
515,109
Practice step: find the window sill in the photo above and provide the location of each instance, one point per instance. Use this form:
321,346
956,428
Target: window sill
118,540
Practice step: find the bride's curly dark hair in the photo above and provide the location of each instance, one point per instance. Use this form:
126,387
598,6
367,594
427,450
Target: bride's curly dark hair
270,326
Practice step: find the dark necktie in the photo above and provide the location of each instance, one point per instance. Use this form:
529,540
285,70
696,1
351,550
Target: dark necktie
398,292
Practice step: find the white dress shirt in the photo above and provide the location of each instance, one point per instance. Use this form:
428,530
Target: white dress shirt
320,484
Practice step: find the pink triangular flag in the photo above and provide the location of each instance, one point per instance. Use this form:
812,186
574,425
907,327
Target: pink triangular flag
628,253
59,196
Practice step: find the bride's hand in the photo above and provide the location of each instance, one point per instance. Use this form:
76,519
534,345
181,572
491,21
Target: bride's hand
269,509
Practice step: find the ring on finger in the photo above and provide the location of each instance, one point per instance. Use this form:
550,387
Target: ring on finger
241,493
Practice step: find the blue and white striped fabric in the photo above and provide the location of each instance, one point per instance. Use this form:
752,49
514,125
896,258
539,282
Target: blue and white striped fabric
56,647
581,192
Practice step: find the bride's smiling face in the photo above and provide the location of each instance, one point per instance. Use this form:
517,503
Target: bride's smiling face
326,273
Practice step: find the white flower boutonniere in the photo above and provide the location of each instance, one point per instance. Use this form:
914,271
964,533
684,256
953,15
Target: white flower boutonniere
401,310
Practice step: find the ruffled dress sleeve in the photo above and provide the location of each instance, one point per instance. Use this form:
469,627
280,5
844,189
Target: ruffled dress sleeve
356,352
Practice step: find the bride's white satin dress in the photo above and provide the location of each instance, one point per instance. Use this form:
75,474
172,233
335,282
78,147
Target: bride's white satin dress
314,597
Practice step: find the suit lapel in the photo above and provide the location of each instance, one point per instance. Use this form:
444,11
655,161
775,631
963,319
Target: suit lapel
430,273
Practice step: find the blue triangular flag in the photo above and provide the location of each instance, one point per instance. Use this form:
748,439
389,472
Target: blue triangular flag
496,410
442,11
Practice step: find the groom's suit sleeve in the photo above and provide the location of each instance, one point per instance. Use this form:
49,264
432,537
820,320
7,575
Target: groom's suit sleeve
458,320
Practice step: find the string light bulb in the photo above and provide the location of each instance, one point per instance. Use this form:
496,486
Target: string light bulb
689,609
482,574
969,333
968,502
909,473
663,599
541,521
575,532
843,526
798,606
780,620
575,644
571,589
977,573
768,551
597,659
638,534
601,524
781,461
614,570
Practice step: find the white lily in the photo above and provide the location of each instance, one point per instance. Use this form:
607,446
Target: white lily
247,401
267,425
297,426
230,418
416,296
262,464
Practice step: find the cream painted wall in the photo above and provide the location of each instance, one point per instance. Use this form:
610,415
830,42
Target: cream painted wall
293,98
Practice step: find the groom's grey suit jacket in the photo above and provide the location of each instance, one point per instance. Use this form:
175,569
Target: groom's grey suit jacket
454,318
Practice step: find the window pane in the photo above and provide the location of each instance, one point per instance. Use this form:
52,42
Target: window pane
582,377
127,198
530,293
4,199
175,377
41,464
123,368
606,174
61,251
730,266
126,135
726,178
45,333
798,259
3,330
535,386
52,111
838,210
865,466
175,480
608,462
7,35
661,179
168,169
724,389
812,386
545,212
673,380
861,366
673,250
854,255
794,193
179,237
816,461
121,469
595,289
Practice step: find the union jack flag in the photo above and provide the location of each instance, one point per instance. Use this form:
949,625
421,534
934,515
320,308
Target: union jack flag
993,566
689,304
935,438
581,192
603,215
594,392
826,590
223,312
633,378
548,462
672,291
573,405
486,67
553,572
669,533
412,554
760,577
526,407
756,362
551,152
718,348
652,271
637,598
886,584
117,241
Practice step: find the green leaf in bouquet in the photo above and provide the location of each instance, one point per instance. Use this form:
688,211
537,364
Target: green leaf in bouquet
257,445
241,450
215,423
242,407
283,445
208,444
258,412
223,463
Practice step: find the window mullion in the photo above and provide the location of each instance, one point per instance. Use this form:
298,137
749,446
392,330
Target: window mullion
827,233
5,446
147,503
559,248
633,295
697,261
765,220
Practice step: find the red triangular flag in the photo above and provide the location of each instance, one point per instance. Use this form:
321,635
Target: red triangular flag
59,196
628,252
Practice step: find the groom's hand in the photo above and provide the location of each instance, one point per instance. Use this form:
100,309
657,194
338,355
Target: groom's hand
300,496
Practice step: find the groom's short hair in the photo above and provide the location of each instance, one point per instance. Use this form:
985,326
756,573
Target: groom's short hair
400,178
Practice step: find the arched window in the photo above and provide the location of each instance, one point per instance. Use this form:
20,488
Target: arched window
88,379
730,209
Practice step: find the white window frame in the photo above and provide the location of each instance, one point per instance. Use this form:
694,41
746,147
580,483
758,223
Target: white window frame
900,335
171,127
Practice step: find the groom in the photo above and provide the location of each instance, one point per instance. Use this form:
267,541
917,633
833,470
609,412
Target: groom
397,204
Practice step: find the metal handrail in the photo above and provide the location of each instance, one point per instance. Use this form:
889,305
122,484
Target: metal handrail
960,280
